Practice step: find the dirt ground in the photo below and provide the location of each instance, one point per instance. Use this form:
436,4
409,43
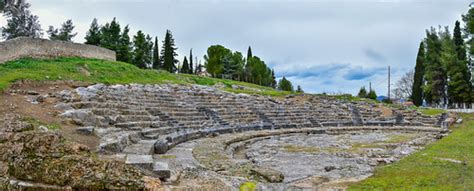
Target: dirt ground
17,100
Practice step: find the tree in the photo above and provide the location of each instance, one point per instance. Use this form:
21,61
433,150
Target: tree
20,21
185,67
404,86
299,89
249,53
459,86
215,60
156,55
141,51
168,53
65,33
285,85
124,49
274,83
417,90
435,71
110,35
93,35
191,64
469,31
372,95
362,92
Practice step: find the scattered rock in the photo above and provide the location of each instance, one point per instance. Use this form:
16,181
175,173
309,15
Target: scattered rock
85,130
43,128
161,170
329,168
270,175
31,92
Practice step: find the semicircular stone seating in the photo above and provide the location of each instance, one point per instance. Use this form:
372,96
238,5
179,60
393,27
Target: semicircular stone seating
141,120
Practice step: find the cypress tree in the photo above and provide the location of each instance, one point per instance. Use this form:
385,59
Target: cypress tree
417,92
299,89
185,67
459,87
93,35
249,53
168,53
191,65
156,55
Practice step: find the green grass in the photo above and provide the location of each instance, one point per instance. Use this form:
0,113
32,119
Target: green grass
424,170
36,124
431,111
248,186
108,72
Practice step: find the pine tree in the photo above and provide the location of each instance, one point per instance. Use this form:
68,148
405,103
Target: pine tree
362,92
65,33
191,64
274,83
185,67
469,31
417,92
124,50
285,85
435,71
372,94
110,35
299,89
168,53
93,35
156,55
140,53
20,22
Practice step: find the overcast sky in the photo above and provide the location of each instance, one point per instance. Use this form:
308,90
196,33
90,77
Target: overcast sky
325,46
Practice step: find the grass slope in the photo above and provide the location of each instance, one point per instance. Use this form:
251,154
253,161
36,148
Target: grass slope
108,72
430,169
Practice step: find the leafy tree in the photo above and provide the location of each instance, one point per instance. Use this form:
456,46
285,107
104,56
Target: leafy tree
185,67
142,50
362,92
124,50
215,58
110,35
469,31
299,89
435,71
156,55
191,64
168,53
65,33
93,35
372,95
417,90
20,21
285,85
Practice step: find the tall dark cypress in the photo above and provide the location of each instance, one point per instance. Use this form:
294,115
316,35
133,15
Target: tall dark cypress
417,92
156,55
249,53
191,70
459,74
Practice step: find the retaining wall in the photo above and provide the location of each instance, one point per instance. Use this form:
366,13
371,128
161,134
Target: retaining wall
41,48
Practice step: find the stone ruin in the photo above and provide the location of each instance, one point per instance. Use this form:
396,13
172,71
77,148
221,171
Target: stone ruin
139,123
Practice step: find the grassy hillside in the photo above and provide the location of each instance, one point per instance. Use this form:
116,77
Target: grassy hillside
445,165
100,71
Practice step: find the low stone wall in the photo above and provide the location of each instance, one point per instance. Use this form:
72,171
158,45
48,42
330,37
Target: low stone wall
41,48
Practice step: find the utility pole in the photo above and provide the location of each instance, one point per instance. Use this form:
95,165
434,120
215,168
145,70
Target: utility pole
388,95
